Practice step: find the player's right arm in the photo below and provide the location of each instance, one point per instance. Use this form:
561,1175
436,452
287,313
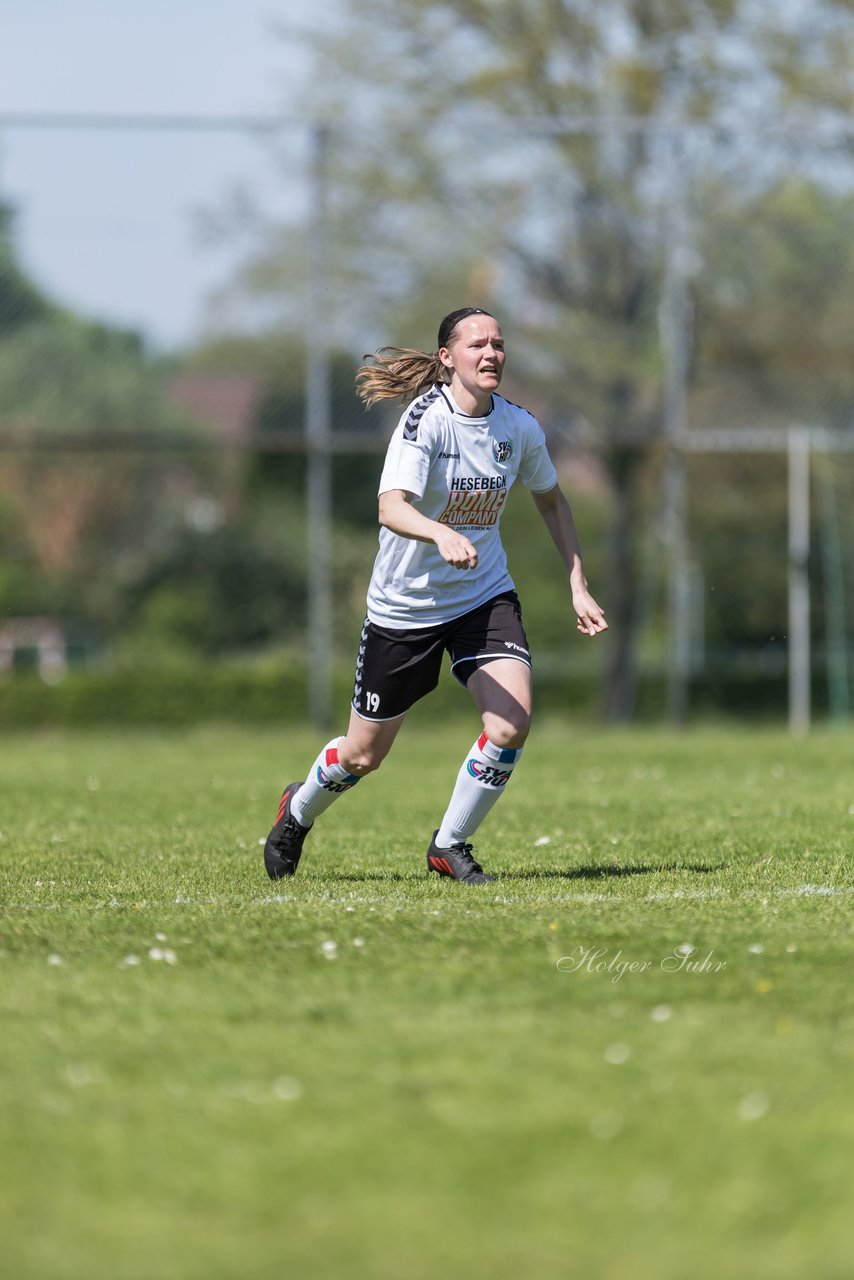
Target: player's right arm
397,513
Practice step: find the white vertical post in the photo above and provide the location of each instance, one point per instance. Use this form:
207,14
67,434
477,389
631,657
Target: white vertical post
799,586
317,429
674,336
836,643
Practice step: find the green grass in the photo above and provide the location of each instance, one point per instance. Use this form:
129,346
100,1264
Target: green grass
438,1095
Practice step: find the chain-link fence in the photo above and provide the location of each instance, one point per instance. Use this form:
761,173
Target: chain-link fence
669,322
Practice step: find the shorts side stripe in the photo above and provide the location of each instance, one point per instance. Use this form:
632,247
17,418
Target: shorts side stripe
480,658
376,719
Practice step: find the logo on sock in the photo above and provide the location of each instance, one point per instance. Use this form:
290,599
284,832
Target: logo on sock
488,774
330,784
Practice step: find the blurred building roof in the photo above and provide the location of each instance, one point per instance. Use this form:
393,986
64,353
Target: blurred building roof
225,402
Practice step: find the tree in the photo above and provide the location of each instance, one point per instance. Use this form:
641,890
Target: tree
524,156
86,501
777,311
114,500
20,300
773,350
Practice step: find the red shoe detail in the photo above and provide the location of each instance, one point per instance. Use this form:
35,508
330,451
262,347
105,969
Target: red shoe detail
282,803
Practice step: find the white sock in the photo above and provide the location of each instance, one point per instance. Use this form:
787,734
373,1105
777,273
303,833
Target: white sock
326,781
481,780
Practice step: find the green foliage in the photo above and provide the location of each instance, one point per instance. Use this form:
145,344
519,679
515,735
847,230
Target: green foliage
64,375
281,411
772,350
20,300
738,526
277,362
160,689
540,579
218,592
778,307
277,475
203,1072
478,104
91,496
156,680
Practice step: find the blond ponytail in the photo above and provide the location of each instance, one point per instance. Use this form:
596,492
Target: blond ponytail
397,372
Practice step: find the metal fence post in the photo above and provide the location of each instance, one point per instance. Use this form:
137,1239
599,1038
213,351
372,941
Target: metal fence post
319,644
674,337
799,583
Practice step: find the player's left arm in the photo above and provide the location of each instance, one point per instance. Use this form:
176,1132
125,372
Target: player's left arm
557,514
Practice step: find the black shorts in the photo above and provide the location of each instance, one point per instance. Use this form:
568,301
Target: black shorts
396,668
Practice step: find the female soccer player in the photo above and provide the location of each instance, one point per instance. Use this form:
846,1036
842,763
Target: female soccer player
440,582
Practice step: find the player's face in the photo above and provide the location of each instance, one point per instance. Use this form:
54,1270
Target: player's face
475,356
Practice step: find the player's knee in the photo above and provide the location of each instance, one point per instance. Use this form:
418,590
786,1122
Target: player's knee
508,731
362,761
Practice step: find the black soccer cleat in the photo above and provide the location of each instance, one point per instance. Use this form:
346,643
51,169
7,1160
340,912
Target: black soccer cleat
284,843
456,862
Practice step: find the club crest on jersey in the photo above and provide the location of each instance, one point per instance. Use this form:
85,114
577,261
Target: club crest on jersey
502,450
488,774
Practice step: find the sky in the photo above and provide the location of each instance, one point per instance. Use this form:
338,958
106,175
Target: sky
108,222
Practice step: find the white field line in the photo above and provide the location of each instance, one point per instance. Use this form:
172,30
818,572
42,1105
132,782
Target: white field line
277,899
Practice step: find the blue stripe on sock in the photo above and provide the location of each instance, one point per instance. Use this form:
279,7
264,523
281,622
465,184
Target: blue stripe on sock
507,755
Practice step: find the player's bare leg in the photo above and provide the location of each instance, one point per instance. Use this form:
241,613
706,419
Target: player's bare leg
367,743
501,690
503,694
340,765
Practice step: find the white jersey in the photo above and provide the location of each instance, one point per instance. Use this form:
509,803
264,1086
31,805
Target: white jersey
460,470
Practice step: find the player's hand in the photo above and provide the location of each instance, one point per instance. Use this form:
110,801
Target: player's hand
456,549
590,618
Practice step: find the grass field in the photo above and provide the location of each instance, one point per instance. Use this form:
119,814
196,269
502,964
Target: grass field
632,1056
